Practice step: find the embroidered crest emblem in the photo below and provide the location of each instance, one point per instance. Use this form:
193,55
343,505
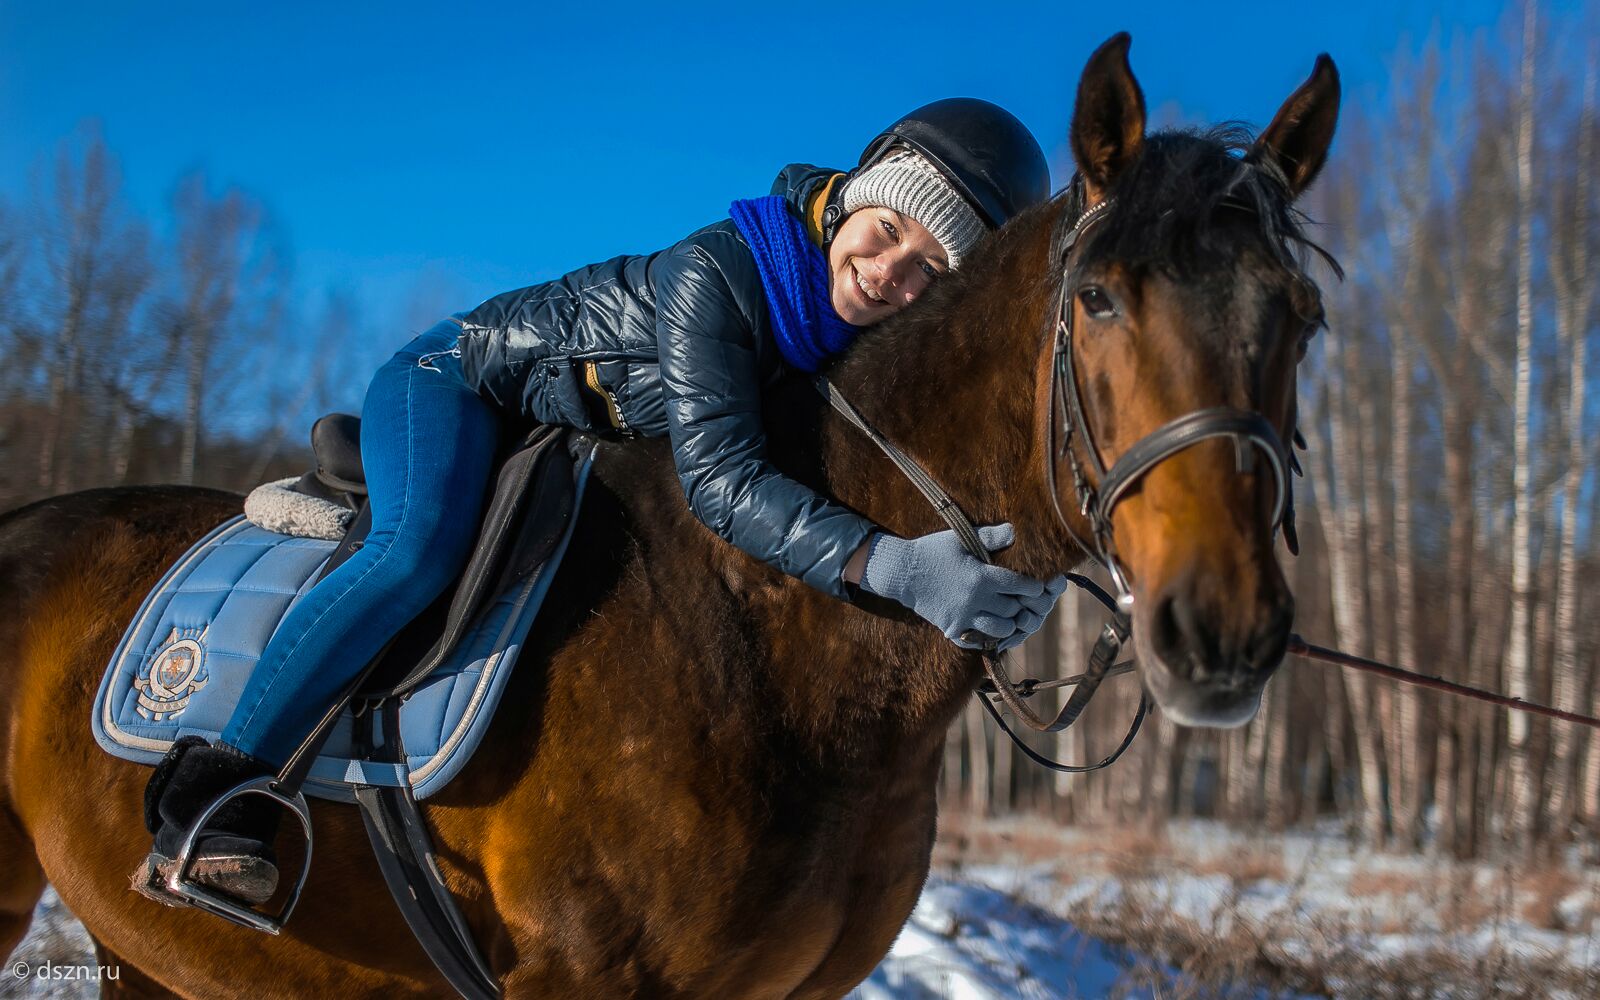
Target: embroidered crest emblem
176,672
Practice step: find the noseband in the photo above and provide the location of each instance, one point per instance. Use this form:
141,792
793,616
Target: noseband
1250,431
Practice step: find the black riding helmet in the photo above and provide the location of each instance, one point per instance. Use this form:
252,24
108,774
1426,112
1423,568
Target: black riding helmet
986,154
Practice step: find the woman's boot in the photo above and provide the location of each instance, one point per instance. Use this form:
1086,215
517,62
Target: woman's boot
233,854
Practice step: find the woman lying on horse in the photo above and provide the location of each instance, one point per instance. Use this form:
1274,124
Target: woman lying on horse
680,343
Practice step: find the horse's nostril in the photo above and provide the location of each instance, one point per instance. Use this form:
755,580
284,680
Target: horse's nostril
1268,645
1178,637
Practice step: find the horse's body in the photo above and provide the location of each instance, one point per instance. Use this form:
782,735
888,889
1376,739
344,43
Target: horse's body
667,802
709,780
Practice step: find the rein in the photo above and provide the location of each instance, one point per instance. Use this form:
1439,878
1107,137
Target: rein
1310,651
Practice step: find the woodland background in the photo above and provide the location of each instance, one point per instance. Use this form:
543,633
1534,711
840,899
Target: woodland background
1448,513
1447,517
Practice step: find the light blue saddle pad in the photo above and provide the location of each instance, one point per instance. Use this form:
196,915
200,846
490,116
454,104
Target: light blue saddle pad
184,660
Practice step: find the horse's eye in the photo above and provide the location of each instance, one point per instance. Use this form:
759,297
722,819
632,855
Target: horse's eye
1096,302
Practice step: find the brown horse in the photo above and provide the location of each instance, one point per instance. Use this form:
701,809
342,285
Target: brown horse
710,780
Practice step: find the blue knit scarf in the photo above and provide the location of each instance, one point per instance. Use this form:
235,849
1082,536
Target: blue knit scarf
794,274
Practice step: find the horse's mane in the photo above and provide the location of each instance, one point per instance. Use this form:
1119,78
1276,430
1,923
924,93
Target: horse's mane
1168,215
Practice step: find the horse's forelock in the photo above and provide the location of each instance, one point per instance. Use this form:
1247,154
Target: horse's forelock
1168,214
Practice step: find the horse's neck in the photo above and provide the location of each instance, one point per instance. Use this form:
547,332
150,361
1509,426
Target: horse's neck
864,687
957,388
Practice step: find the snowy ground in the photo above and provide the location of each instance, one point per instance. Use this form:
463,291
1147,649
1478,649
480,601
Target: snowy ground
965,941
1320,911
1024,910
56,943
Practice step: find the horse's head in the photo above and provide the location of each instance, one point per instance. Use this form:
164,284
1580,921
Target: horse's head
1188,310
1187,296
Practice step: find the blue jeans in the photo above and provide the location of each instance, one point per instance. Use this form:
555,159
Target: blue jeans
427,444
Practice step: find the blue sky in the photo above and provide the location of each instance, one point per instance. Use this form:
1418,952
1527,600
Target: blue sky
461,150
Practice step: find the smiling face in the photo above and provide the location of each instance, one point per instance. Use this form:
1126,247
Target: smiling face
880,261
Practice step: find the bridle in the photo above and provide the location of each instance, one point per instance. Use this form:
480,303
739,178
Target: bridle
1249,430
1096,499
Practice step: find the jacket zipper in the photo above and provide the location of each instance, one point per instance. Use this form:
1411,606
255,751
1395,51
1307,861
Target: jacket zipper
591,377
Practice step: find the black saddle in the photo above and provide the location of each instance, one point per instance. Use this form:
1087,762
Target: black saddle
338,475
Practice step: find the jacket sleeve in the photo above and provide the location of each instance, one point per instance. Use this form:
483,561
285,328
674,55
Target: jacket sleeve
712,390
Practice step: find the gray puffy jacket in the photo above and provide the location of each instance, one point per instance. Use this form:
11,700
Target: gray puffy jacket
674,343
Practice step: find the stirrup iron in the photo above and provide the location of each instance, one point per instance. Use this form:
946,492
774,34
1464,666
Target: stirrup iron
178,884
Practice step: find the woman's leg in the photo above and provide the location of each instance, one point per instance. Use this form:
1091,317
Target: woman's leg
428,444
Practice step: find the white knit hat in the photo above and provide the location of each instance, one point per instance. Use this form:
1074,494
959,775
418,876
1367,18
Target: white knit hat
909,184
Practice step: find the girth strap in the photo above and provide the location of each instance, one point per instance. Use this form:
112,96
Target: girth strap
405,854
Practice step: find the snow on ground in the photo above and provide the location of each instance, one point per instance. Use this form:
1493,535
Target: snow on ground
996,920
965,941
55,948
1314,894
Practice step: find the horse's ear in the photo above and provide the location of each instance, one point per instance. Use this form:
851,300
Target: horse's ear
1108,119
1297,141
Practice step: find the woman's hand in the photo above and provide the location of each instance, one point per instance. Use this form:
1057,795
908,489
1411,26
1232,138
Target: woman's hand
939,580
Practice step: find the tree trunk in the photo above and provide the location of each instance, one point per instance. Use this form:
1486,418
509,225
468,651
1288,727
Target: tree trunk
950,768
1163,766
1277,790
1570,677
1591,768
64,370
1455,720
1406,745
1069,642
194,395
1519,664
1344,547
977,759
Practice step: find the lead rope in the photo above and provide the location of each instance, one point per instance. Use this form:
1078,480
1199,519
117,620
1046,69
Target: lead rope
1101,659
1300,647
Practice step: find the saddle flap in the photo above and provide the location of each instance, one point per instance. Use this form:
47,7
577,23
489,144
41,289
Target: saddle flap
525,522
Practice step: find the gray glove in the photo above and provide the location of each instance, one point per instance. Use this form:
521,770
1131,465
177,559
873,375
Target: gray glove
1034,611
935,577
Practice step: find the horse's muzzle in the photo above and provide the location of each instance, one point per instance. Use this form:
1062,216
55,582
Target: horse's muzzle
1206,662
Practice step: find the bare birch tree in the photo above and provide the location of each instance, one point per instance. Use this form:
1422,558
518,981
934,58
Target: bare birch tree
97,262
1334,487
1569,271
1519,665
223,262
